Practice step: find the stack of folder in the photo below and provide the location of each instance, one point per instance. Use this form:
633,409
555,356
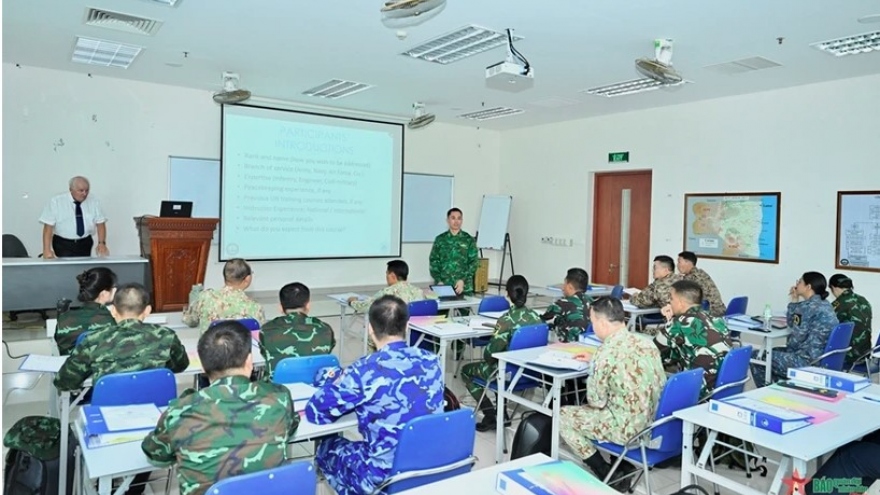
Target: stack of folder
550,478
110,425
821,377
760,414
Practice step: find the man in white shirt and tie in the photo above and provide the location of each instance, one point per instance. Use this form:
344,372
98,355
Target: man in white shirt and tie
70,219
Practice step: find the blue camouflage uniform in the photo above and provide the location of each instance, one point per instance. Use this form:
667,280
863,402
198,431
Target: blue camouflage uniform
385,390
810,322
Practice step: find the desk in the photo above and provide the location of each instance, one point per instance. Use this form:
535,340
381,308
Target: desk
767,342
443,338
521,359
556,292
854,420
634,313
37,283
478,482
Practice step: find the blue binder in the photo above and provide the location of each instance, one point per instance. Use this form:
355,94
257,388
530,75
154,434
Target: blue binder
760,414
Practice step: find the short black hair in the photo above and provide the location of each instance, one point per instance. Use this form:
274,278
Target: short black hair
688,255
578,278
225,345
294,296
453,210
399,268
689,290
389,316
518,290
666,261
94,281
609,308
840,281
236,270
817,282
131,299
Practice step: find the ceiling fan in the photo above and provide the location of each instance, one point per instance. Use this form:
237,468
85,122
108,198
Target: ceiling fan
406,13
420,118
231,92
660,67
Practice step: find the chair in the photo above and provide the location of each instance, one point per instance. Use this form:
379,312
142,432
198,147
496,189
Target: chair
705,305
250,323
18,380
282,480
617,292
662,439
414,465
487,304
14,248
156,386
871,364
836,347
738,306
302,369
425,307
80,338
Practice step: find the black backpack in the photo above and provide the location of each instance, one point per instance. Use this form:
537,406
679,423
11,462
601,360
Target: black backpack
450,401
36,472
533,435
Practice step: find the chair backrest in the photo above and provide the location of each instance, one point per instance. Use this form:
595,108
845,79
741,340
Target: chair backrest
738,306
617,292
425,307
682,390
299,476
733,373
527,337
434,430
249,323
13,247
705,305
839,340
80,338
493,303
156,386
302,369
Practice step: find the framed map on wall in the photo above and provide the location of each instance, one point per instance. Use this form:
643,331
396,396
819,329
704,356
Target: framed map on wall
858,231
733,226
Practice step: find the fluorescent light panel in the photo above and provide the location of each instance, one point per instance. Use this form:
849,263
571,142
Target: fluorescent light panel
851,45
104,53
491,113
459,44
628,87
337,88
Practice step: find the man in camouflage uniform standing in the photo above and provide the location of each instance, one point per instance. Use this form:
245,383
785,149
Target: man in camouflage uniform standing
232,427
623,389
687,267
228,303
295,333
854,308
568,316
692,338
384,389
454,258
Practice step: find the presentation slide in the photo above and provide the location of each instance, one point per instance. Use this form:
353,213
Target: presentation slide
298,185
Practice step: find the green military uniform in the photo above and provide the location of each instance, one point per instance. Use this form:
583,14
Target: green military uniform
130,345
454,258
402,290
695,339
39,436
294,335
222,304
504,329
855,308
89,317
570,316
710,290
234,426
623,389
656,294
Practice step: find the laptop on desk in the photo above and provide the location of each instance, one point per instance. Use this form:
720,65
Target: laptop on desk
179,209
446,293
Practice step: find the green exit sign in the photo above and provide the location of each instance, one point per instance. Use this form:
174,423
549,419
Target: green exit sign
620,157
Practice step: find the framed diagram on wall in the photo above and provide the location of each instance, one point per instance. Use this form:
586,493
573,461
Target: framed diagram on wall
733,226
858,231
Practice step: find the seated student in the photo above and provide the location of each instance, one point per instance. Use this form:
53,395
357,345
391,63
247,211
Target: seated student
505,327
569,314
851,307
687,267
384,389
692,338
395,276
129,345
296,333
857,463
810,321
234,426
656,294
228,303
623,389
96,288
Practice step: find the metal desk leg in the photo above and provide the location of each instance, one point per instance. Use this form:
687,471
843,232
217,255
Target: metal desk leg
499,417
341,330
557,404
768,368
442,355
366,335
783,470
687,453
65,439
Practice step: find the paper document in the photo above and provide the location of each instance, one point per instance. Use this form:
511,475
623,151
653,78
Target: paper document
493,314
477,322
343,298
300,405
299,391
133,417
40,362
559,360
447,329
631,291
156,319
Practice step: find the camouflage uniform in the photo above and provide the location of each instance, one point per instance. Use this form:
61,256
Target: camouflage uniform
695,340
454,258
294,335
622,393
89,317
710,290
810,322
402,289
851,307
504,330
570,316
385,390
223,304
655,295
232,427
130,345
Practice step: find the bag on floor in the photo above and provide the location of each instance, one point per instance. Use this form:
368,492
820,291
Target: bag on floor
32,461
533,435
450,401
735,459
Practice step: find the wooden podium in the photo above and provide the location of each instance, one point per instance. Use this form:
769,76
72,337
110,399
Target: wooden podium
178,252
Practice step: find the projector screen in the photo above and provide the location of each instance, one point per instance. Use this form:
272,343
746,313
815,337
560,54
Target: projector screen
298,185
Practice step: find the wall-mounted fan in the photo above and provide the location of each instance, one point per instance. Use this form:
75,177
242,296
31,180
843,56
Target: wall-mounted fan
406,13
231,92
660,67
420,118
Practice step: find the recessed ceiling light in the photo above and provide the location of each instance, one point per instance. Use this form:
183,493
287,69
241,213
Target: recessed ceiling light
491,113
337,88
174,64
850,45
104,53
459,44
869,19
629,87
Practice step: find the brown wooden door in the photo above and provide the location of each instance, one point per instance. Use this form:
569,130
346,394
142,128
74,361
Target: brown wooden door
606,227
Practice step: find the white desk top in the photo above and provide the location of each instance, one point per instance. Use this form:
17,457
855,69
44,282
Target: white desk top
452,330
74,261
635,310
522,357
555,292
466,302
854,420
477,482
195,365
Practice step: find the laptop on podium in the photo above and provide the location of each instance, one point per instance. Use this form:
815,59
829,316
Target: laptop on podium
446,293
179,209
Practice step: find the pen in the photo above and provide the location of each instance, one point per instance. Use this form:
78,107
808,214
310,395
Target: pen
871,399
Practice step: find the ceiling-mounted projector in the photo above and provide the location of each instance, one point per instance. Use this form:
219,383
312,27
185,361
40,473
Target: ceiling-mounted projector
514,74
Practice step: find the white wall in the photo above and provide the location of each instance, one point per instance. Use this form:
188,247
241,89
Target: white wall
807,142
119,134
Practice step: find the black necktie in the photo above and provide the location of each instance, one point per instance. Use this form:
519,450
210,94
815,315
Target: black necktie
80,224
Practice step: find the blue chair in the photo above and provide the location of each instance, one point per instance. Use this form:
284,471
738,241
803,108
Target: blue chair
871,364
836,347
80,338
250,323
487,304
662,439
302,369
414,465
156,386
617,292
425,307
705,305
738,306
283,480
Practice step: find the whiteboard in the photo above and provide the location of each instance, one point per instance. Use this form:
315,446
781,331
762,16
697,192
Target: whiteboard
196,180
494,216
426,199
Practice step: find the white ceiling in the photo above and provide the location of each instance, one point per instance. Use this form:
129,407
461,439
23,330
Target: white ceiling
283,47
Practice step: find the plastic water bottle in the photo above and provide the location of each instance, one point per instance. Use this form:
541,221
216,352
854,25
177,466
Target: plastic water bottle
768,315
